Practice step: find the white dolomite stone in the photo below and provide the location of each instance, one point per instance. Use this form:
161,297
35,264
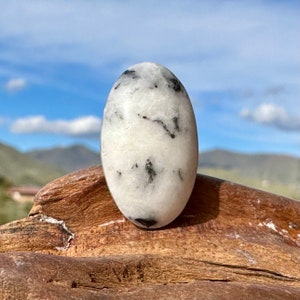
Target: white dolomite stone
149,146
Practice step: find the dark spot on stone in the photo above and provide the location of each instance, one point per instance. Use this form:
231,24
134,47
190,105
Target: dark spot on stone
118,115
150,170
92,277
128,72
73,284
140,272
175,84
135,166
179,173
155,85
163,124
293,225
126,273
131,73
119,173
146,222
165,127
176,125
116,87
144,117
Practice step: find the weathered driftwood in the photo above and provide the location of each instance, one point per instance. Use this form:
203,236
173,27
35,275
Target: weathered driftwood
230,242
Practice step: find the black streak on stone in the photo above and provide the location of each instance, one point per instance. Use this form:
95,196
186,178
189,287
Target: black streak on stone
176,125
116,87
164,126
175,84
146,222
127,72
135,166
179,172
150,171
131,73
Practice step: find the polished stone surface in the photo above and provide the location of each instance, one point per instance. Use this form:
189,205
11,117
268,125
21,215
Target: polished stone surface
149,146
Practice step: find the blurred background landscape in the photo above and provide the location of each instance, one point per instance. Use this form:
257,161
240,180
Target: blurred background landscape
238,60
23,173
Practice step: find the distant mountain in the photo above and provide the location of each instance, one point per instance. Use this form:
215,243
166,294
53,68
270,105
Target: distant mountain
275,173
69,158
281,168
22,169
279,174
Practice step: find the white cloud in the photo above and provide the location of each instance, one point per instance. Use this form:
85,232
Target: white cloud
209,44
272,115
16,84
87,126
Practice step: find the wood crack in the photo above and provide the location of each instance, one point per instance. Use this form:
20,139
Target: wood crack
250,271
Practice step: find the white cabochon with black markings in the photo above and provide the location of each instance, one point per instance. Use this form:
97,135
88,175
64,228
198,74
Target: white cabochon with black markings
149,146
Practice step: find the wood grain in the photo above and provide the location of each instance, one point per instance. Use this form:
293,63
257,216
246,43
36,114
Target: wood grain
230,242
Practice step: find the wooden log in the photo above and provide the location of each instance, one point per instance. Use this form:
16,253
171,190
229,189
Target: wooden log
230,242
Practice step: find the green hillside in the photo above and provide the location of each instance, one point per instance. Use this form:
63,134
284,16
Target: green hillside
279,174
70,158
17,168
274,173
11,210
22,169
280,168
275,187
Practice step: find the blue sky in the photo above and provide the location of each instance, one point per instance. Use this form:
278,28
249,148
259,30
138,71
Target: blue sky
239,61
